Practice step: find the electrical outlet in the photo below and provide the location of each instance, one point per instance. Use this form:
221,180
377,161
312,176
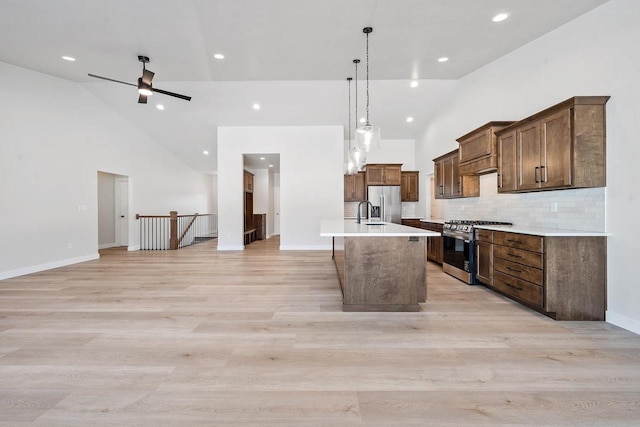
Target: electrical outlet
554,207
70,245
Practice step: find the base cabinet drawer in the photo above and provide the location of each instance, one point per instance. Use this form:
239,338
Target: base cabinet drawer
519,241
524,272
532,259
518,288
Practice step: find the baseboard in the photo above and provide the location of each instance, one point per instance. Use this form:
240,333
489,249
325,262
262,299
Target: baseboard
107,246
623,321
305,248
131,248
231,248
47,266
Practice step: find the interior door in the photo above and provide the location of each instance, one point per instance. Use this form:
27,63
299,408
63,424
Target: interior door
122,211
276,211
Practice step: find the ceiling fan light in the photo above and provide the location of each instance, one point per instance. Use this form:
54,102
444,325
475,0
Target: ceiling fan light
144,88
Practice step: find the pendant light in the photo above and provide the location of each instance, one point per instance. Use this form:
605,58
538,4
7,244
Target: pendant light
367,136
349,166
358,156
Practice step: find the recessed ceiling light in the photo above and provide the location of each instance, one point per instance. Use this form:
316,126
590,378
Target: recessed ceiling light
414,83
270,166
363,120
500,17
256,106
69,58
218,56
160,107
205,152
443,59
261,158
409,119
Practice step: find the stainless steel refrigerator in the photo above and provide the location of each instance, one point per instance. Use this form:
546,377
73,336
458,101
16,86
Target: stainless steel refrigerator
387,199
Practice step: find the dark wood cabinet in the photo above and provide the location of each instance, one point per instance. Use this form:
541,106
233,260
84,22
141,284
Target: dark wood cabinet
435,248
563,277
248,182
448,181
478,150
355,189
383,174
484,256
561,147
412,222
409,187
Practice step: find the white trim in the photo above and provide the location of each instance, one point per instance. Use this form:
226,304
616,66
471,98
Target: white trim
47,266
108,245
231,248
305,248
132,248
623,321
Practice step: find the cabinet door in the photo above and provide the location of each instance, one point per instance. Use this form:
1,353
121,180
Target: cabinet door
507,171
438,169
414,189
404,187
375,175
348,187
392,175
528,156
409,187
555,169
448,177
359,187
484,262
456,179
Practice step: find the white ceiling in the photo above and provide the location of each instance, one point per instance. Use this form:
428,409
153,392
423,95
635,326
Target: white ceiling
291,56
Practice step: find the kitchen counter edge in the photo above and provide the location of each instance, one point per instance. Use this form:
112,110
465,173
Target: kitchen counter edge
349,228
542,231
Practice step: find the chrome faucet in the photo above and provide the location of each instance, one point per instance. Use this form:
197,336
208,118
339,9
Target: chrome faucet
358,218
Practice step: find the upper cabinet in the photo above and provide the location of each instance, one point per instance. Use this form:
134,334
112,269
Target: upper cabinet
478,150
409,190
383,174
448,181
355,189
561,147
248,182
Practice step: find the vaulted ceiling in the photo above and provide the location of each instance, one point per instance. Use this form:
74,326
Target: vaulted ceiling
290,56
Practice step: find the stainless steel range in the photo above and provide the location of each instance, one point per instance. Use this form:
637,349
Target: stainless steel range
459,247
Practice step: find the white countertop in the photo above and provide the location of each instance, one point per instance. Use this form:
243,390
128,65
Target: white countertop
349,228
542,231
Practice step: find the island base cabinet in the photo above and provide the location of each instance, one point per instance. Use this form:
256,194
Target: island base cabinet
384,273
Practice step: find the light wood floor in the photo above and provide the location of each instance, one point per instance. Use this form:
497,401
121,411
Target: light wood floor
196,337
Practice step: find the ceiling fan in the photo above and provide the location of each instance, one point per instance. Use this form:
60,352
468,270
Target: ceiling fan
145,88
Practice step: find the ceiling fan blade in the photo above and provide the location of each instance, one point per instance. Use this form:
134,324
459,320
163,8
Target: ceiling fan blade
111,80
147,76
142,99
176,95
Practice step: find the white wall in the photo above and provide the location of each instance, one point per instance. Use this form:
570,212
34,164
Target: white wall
310,181
54,137
596,54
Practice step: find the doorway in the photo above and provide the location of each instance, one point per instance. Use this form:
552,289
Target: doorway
113,210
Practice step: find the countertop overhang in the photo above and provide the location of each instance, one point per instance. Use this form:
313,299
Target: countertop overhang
349,228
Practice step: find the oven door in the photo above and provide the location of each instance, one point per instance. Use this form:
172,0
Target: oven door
457,257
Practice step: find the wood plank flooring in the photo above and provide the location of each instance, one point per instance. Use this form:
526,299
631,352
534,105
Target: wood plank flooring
197,337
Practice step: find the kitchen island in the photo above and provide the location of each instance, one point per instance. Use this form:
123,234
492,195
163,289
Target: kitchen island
381,266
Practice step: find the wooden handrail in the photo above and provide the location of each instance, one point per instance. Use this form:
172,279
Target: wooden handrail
173,225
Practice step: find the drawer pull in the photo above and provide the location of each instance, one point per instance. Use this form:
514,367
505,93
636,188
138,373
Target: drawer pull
514,255
513,241
513,269
512,286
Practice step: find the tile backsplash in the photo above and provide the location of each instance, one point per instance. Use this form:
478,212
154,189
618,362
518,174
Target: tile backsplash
576,209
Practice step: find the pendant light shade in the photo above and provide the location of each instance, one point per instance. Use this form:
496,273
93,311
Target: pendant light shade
367,136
